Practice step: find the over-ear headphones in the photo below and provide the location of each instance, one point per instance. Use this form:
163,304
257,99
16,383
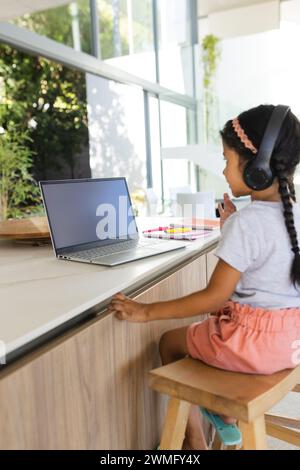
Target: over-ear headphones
257,173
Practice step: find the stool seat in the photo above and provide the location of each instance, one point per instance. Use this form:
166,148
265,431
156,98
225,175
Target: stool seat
246,397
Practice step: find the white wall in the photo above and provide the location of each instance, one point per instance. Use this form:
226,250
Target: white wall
258,69
116,130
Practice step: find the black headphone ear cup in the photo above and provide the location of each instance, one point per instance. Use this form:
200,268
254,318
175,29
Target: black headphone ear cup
256,177
246,173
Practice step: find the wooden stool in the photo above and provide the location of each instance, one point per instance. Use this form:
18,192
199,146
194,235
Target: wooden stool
245,397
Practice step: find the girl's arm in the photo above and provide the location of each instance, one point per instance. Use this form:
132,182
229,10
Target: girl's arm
221,285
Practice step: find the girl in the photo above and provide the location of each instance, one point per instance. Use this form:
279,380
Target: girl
254,289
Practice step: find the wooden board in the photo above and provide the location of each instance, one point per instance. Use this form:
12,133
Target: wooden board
31,227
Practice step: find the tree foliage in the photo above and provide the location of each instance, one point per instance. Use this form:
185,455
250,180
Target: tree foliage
48,102
19,192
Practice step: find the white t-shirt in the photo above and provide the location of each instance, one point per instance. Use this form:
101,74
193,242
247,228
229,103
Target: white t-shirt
255,241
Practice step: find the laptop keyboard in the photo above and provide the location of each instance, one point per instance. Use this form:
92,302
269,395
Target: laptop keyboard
111,249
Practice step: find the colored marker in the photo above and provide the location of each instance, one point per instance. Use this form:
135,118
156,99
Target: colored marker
178,230
158,229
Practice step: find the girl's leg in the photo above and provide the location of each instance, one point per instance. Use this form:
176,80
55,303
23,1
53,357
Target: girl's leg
172,347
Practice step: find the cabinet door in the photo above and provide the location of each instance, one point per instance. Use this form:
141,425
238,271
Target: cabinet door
88,389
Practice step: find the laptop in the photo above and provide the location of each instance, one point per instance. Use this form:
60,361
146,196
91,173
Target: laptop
92,221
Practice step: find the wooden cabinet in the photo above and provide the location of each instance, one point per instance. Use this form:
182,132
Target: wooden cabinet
88,388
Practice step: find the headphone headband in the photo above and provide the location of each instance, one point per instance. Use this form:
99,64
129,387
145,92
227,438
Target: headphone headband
258,174
271,134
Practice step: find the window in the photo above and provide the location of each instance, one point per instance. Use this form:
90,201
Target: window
126,36
81,124
45,102
175,50
117,131
155,146
69,24
43,124
174,134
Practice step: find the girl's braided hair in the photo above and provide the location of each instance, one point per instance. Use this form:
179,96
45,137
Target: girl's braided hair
285,158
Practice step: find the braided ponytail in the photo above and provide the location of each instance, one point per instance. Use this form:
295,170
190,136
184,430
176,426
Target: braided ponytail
287,191
292,189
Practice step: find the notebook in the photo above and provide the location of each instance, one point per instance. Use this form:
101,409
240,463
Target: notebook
185,235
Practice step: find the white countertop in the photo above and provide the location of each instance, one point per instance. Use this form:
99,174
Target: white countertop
39,293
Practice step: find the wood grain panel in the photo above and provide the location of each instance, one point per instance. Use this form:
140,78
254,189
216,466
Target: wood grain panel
89,388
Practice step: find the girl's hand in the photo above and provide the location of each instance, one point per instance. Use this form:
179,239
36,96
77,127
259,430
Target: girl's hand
127,309
228,209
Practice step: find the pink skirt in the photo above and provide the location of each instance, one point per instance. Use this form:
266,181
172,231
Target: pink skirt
242,338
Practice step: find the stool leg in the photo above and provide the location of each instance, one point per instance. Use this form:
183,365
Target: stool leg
175,424
217,443
254,434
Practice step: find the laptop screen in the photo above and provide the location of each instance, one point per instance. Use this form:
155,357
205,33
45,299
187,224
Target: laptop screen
94,211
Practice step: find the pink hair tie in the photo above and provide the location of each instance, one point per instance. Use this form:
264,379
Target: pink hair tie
243,137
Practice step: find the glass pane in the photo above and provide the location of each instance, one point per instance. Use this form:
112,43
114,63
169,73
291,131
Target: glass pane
69,24
117,132
126,36
155,146
173,125
175,51
174,134
43,130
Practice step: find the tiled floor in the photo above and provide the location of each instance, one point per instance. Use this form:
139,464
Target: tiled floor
289,406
